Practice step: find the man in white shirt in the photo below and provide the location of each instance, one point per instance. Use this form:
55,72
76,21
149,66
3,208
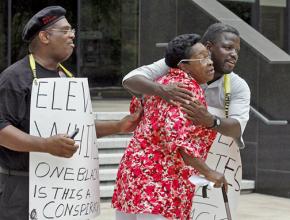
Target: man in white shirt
223,41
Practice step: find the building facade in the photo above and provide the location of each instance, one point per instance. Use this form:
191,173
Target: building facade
108,39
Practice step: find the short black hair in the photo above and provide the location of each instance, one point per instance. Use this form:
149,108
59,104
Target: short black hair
180,48
214,31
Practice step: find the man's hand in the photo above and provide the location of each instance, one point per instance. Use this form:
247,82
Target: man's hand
60,145
130,122
175,94
197,113
217,178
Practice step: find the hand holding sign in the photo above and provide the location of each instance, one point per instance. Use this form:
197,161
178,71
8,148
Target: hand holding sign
60,145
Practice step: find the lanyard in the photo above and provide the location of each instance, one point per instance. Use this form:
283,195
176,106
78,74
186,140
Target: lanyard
33,69
227,91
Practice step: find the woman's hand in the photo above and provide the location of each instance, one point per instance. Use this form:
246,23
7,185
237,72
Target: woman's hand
217,178
130,122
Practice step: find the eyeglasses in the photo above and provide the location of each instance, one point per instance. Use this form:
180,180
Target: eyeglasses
202,61
65,31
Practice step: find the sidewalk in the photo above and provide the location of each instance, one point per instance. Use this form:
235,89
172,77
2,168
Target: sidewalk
252,206
263,207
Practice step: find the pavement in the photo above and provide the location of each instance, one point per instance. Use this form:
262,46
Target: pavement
258,206
251,206
111,105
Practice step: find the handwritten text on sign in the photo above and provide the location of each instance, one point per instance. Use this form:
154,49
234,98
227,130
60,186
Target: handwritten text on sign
224,156
63,188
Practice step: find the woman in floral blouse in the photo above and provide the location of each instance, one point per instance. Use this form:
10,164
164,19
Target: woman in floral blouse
166,149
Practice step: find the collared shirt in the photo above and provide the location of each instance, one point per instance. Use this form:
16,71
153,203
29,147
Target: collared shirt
240,93
152,177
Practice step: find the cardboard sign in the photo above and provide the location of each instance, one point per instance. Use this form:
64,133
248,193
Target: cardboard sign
224,157
63,188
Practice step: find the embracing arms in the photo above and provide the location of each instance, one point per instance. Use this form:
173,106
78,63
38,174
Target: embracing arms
198,113
141,81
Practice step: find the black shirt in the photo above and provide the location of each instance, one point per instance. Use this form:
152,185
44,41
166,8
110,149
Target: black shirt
15,95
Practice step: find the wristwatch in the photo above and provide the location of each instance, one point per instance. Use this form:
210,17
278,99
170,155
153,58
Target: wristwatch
216,122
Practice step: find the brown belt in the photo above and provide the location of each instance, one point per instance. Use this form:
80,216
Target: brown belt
13,172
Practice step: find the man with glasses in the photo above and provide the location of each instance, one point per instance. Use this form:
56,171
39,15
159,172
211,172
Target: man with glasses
227,91
51,41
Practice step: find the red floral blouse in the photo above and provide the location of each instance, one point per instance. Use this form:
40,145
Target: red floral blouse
152,176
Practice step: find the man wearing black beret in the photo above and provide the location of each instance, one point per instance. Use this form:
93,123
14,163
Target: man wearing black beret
42,20
51,41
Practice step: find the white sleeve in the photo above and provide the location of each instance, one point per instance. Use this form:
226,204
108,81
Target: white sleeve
152,71
240,103
240,106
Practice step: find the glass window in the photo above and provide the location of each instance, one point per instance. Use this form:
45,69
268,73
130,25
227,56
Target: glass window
108,40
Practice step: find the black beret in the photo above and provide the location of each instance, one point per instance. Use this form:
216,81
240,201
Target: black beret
42,20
